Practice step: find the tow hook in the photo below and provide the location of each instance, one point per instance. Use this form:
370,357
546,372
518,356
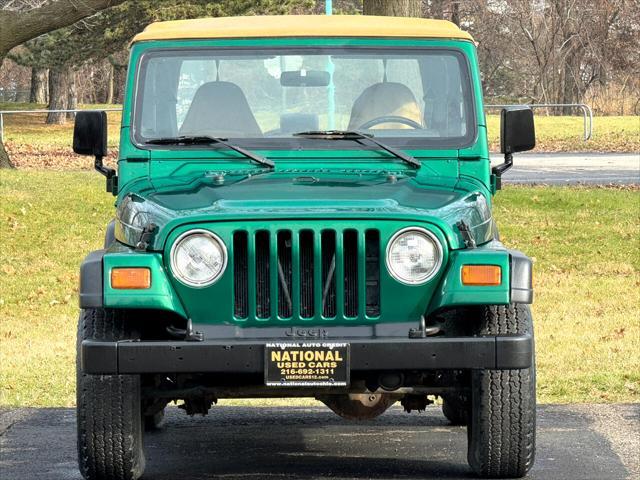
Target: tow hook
188,334
423,331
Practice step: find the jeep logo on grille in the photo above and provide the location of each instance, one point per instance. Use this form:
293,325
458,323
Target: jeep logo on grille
306,332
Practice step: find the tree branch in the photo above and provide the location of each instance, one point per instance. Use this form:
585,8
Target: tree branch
17,28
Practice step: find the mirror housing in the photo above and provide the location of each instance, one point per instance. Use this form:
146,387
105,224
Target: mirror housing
90,138
90,133
517,134
517,130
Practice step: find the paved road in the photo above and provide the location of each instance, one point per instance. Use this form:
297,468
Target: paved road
573,168
574,442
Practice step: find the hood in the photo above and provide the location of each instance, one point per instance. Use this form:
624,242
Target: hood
160,205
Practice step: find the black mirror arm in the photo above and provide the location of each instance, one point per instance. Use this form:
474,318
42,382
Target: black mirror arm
110,173
498,170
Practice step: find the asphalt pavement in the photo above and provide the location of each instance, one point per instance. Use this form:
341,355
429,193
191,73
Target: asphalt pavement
599,442
572,168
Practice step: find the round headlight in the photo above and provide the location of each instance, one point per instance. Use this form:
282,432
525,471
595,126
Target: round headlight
414,256
198,258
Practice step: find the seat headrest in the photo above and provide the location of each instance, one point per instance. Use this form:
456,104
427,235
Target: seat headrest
220,109
384,99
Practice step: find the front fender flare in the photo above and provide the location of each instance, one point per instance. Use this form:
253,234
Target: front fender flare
91,287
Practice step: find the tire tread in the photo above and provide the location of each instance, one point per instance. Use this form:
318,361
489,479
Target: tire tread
108,407
502,427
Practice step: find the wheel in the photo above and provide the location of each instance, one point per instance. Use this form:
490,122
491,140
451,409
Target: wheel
455,409
502,425
154,422
109,414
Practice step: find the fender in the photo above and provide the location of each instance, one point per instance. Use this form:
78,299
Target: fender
91,272
516,286
91,287
110,234
521,277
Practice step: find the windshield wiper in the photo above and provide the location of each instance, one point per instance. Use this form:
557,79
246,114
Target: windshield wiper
207,140
354,135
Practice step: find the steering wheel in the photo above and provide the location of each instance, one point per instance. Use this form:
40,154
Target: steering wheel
390,119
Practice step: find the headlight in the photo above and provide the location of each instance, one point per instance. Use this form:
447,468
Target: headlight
198,258
414,255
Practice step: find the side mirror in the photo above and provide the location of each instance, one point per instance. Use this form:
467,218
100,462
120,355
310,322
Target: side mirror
517,131
90,138
517,134
90,133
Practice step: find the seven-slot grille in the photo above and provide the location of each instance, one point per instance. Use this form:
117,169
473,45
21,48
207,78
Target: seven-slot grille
294,274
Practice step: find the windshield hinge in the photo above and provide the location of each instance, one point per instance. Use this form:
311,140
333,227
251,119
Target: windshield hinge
465,231
146,236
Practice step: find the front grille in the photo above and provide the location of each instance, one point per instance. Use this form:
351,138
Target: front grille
304,274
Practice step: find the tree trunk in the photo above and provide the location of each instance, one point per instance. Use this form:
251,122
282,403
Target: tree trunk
72,97
119,78
58,94
38,85
393,8
4,158
109,98
455,13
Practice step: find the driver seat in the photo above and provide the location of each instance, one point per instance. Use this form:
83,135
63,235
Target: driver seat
385,99
220,109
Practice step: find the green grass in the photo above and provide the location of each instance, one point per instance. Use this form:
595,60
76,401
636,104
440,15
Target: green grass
584,241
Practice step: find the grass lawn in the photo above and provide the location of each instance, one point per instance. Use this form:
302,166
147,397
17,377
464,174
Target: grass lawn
584,240
33,144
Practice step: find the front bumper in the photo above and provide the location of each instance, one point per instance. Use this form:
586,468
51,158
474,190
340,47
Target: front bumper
247,356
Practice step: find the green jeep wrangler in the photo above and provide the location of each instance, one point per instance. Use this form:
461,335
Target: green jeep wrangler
303,209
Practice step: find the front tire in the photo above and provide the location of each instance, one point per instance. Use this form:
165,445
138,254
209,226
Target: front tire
109,414
502,425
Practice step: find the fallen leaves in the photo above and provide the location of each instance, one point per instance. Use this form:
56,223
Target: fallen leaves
46,157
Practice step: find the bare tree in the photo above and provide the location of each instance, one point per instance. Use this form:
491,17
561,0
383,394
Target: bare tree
23,20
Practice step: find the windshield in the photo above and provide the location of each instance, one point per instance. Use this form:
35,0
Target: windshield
409,97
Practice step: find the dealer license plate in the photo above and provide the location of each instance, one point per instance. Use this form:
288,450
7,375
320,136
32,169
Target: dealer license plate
321,364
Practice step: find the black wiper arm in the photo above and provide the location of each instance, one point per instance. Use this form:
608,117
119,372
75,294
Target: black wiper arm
354,135
207,140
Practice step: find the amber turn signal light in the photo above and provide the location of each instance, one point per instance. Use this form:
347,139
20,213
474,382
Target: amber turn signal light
485,275
130,278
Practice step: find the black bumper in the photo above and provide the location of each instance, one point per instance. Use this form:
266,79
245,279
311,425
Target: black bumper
247,356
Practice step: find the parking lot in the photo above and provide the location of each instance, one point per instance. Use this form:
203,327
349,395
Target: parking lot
581,442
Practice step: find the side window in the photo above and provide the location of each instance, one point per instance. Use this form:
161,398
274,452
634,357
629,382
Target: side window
158,115
444,99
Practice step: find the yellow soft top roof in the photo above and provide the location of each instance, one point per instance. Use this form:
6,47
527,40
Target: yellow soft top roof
302,26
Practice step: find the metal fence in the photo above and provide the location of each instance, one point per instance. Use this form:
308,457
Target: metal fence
587,113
